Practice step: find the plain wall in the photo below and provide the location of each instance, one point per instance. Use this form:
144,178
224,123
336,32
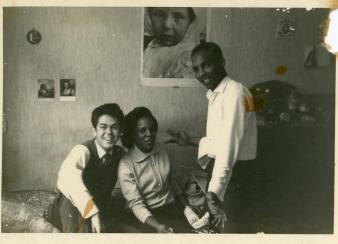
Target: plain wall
101,49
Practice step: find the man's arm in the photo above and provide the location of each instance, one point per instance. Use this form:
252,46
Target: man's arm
228,142
182,138
70,181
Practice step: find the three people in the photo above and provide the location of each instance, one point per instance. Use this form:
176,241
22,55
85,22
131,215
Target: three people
145,172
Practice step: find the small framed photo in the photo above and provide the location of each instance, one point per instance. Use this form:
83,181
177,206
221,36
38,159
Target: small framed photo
169,35
46,89
67,89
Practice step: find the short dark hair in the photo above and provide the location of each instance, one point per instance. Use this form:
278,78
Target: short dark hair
210,47
130,122
111,109
191,13
66,81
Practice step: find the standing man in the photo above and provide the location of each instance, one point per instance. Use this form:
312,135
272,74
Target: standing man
231,134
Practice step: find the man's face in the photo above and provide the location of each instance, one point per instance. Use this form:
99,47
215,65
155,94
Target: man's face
169,24
145,134
208,70
107,131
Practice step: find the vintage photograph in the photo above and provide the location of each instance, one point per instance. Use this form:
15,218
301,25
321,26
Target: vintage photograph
169,35
67,89
46,89
244,144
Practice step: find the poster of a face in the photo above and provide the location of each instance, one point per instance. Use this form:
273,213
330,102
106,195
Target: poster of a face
169,36
67,89
46,89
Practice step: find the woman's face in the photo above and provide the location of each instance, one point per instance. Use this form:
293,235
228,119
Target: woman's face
169,25
145,134
66,85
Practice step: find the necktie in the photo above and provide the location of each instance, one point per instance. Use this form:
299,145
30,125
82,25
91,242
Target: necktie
106,159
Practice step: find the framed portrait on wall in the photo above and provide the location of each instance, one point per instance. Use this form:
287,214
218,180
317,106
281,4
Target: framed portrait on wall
67,89
168,36
46,89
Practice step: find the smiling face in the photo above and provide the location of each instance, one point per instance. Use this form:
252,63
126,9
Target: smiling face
107,131
169,25
208,70
145,134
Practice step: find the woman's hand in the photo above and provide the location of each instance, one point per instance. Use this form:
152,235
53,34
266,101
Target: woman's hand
161,228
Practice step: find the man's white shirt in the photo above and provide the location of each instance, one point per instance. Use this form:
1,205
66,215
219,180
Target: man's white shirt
231,131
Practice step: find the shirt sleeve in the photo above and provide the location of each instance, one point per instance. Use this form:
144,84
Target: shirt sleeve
131,193
70,181
228,141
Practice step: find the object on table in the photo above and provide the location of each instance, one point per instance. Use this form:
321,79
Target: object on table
274,97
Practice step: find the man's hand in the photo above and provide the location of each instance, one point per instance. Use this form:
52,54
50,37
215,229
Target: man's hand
215,210
96,225
161,228
206,161
181,138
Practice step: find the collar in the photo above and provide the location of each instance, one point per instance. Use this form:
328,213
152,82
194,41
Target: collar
211,95
100,151
138,156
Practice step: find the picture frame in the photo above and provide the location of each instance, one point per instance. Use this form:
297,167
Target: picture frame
67,89
45,89
165,55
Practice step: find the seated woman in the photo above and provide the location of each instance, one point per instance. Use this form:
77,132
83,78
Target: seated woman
145,176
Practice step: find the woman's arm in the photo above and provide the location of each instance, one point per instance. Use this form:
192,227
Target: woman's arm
160,228
135,199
